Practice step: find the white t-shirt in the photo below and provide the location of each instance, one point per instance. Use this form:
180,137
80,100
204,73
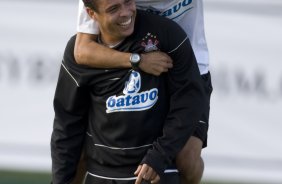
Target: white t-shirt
187,13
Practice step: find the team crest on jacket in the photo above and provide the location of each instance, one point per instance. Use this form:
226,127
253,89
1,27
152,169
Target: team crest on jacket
150,43
133,99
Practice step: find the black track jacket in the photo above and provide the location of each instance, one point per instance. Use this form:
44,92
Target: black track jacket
124,117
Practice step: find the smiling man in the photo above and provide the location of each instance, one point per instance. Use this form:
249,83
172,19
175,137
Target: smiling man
130,125
115,26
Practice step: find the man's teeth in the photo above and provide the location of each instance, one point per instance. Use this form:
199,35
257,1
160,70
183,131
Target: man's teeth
126,23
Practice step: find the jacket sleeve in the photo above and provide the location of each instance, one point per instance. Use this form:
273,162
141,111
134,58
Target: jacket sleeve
186,103
70,106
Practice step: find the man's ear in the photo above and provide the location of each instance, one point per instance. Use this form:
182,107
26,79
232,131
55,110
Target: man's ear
91,13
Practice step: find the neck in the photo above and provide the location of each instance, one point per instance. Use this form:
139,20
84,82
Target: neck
110,44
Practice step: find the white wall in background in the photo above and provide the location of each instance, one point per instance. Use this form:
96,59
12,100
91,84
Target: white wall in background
33,35
245,45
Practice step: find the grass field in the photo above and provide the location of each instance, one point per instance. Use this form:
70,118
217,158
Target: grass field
12,177
20,177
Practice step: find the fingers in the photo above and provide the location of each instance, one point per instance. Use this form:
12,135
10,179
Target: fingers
169,65
156,179
141,173
139,178
162,66
154,175
138,170
163,56
145,172
147,176
157,68
155,63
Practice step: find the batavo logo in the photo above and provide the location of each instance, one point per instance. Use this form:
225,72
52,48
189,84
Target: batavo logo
175,10
132,100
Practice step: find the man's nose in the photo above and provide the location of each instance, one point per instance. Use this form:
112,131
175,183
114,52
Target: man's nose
125,11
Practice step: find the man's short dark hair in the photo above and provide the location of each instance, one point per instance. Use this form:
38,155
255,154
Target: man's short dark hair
92,4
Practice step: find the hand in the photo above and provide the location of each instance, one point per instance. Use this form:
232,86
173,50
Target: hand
147,173
155,63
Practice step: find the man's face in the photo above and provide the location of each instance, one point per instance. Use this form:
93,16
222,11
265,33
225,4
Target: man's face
116,19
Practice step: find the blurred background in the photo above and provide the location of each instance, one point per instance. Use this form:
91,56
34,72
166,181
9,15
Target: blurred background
245,43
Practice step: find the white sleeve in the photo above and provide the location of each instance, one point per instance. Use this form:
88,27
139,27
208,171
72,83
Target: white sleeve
85,24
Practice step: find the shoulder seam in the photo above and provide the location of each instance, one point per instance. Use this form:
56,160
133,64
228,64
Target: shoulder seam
178,45
70,75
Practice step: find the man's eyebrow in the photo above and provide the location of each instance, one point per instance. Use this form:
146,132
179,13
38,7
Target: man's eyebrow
108,9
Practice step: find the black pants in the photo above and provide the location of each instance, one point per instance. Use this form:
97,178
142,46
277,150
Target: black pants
168,178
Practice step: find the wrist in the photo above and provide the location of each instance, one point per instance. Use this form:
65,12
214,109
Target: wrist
135,60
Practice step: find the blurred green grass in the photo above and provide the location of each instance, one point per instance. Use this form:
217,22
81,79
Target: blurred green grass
22,177
26,177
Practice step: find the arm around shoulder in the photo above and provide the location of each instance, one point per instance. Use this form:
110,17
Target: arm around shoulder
88,52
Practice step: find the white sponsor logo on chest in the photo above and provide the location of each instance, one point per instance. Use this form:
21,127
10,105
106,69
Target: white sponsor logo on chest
132,100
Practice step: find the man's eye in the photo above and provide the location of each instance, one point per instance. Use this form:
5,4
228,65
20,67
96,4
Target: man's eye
112,10
128,1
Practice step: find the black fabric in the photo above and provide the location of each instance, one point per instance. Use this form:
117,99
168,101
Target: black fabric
84,96
168,178
202,127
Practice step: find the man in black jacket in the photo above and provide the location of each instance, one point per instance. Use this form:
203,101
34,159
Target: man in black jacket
128,122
